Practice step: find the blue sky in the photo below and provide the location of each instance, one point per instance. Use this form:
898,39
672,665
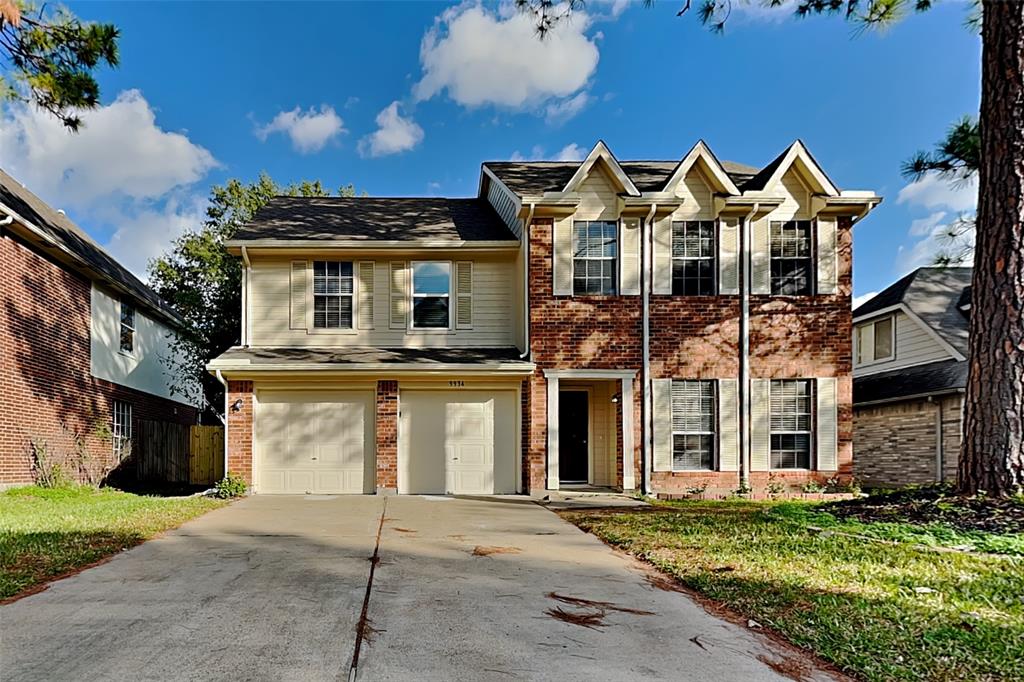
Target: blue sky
410,98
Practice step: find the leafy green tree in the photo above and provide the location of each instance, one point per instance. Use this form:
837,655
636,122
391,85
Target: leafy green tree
51,57
204,282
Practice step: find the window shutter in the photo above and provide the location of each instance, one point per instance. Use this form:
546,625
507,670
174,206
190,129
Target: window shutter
298,293
729,256
662,256
464,295
365,303
827,265
760,426
399,295
828,425
662,414
561,266
728,424
629,268
760,257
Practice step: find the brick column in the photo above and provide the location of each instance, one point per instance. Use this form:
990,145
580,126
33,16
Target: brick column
387,436
240,430
535,444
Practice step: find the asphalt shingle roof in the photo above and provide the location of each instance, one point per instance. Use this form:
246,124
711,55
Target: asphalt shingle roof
375,218
935,377
364,354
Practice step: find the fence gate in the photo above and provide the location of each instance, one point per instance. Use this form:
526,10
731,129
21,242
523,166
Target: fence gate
179,453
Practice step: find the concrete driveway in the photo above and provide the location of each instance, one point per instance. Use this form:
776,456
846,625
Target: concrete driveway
273,588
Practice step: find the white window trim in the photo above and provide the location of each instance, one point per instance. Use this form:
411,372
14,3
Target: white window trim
713,257
411,297
874,335
811,431
311,327
617,258
714,434
117,439
121,326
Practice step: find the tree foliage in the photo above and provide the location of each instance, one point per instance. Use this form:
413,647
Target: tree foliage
203,281
51,57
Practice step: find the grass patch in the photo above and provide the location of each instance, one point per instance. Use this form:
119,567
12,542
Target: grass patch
856,603
45,532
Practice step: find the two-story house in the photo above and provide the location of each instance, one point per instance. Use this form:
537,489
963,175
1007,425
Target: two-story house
654,325
910,348
83,345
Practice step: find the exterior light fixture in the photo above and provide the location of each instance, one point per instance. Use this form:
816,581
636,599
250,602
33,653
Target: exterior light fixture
237,405
617,397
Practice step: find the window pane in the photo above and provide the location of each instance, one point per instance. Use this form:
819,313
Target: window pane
692,451
127,315
883,338
430,312
319,312
127,339
430,278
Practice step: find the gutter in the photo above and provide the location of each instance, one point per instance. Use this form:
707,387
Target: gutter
220,378
744,379
526,282
646,284
246,275
916,396
7,221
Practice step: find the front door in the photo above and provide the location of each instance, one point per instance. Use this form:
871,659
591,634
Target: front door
573,436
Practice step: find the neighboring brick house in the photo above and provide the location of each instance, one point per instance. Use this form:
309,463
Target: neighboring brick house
81,341
910,371
574,324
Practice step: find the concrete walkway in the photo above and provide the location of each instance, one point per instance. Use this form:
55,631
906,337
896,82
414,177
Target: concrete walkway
272,588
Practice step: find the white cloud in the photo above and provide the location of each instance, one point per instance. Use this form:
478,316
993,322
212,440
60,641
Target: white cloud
863,298
563,110
937,239
483,58
395,133
122,175
924,226
309,131
570,152
933,192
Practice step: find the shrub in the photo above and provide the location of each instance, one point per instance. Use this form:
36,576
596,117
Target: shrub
775,486
46,470
231,485
812,487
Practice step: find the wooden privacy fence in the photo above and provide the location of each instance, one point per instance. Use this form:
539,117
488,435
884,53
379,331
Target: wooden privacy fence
179,453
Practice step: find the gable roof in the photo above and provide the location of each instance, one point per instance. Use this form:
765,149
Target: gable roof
945,376
935,295
795,155
65,241
702,154
601,154
374,219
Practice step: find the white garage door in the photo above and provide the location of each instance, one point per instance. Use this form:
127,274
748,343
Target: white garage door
457,442
314,442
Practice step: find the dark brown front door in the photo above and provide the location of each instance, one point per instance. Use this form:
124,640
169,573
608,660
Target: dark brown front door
573,429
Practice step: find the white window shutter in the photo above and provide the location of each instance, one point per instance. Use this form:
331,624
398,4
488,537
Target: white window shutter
629,248
663,256
729,256
365,302
728,424
298,294
760,424
828,425
399,295
561,266
827,260
464,294
662,413
760,257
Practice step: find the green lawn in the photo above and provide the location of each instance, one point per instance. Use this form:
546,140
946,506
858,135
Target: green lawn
47,532
877,611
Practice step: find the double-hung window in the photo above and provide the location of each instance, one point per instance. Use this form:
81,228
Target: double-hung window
431,289
694,421
791,257
791,423
693,258
594,253
875,341
127,336
121,429
332,294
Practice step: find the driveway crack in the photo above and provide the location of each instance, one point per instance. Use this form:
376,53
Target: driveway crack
363,628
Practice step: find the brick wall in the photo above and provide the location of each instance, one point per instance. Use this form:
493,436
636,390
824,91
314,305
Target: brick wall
387,435
896,442
240,429
46,390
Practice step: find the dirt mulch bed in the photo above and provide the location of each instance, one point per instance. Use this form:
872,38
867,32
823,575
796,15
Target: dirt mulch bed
934,504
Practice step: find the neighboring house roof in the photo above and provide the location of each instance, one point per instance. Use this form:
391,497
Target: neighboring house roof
934,294
354,356
934,378
376,219
66,241
537,177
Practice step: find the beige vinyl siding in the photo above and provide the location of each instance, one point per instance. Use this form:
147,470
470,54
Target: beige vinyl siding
493,294
507,206
797,202
914,346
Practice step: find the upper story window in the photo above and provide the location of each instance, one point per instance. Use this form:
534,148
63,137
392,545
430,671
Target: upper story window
127,343
121,429
791,422
332,294
693,258
431,289
594,253
875,341
693,425
791,257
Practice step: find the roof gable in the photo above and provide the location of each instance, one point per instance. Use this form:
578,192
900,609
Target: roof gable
600,154
700,156
797,157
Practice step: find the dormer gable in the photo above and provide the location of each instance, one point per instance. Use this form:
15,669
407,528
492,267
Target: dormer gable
600,157
701,157
797,158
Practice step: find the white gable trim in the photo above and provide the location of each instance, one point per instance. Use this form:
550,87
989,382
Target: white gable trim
701,151
601,151
797,153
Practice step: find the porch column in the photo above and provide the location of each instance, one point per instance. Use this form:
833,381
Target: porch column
552,432
628,468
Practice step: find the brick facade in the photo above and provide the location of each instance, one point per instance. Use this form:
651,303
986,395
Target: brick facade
240,429
896,443
387,435
47,393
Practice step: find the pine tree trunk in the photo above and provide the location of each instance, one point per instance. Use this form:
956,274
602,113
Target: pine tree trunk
992,456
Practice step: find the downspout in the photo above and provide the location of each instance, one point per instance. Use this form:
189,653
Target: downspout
646,283
940,455
7,221
220,378
526,282
247,272
744,380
